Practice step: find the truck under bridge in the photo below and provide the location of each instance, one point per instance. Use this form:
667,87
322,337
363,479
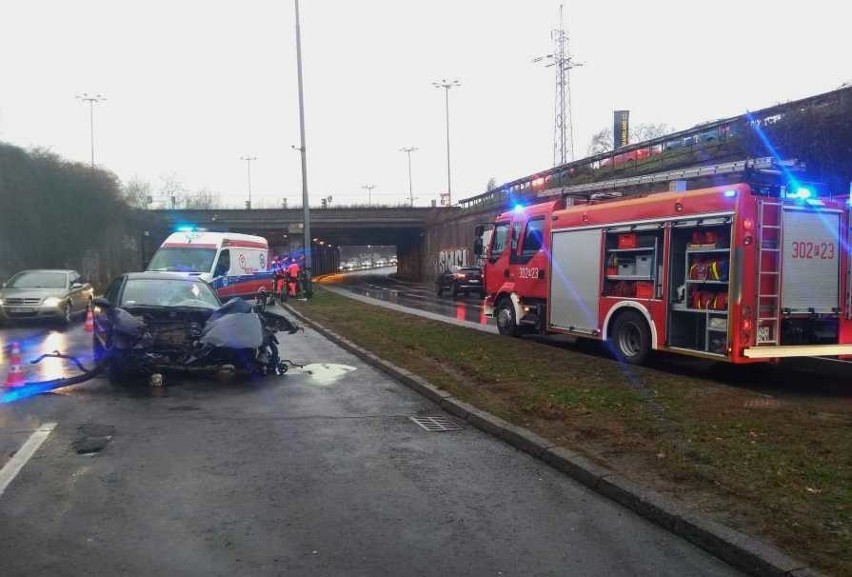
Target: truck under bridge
403,227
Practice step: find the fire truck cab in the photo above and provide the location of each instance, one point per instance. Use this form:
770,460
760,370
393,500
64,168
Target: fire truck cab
741,273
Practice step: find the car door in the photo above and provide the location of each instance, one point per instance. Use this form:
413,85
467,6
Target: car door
103,325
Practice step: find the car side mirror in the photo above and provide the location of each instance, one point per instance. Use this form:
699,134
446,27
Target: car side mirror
101,302
76,285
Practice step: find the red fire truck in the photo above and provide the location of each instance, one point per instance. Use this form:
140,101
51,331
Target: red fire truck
741,273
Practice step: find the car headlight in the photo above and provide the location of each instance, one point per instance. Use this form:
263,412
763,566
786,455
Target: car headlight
52,301
1,301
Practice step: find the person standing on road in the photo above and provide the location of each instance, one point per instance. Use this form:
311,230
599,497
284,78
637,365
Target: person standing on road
280,279
293,270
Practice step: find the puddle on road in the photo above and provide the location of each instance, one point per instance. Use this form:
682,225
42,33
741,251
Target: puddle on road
323,374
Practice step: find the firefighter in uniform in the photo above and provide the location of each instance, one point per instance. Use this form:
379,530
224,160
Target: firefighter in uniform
279,272
293,270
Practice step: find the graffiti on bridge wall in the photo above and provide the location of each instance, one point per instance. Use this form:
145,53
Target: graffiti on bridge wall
451,257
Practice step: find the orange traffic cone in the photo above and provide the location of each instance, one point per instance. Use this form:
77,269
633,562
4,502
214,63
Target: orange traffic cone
90,320
15,378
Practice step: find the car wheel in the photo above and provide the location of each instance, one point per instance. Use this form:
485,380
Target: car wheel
630,339
98,352
439,289
117,370
507,324
67,316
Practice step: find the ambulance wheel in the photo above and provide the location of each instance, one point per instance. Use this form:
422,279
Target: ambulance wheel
507,324
630,338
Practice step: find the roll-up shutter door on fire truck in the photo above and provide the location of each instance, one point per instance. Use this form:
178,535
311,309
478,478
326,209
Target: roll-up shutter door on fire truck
811,261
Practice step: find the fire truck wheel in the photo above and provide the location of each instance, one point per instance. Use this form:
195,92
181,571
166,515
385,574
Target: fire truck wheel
506,322
630,338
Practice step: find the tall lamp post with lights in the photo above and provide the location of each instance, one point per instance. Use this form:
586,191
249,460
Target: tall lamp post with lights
302,148
408,150
92,99
369,188
248,160
446,85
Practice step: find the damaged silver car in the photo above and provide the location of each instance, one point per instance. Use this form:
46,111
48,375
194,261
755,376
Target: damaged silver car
153,322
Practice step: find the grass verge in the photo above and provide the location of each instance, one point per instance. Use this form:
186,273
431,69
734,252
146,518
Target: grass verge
777,469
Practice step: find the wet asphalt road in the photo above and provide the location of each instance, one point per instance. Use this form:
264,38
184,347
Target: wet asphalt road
319,472
378,284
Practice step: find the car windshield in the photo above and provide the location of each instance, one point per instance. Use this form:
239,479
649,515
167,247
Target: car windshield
183,259
168,293
38,280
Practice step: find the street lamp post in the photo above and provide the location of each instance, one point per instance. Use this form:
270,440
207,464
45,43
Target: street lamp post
446,85
92,99
369,188
408,151
305,201
248,160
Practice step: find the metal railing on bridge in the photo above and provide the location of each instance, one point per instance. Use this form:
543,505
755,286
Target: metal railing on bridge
716,142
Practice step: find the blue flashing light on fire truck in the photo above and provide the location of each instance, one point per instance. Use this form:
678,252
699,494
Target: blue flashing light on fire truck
743,273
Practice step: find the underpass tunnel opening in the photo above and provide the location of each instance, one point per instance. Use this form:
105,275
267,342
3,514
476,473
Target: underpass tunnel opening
355,257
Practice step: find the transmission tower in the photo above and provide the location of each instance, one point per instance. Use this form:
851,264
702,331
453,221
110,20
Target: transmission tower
563,126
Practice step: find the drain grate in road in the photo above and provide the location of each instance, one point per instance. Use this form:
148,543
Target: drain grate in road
437,424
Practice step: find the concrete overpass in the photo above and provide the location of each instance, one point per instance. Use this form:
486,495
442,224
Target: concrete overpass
403,227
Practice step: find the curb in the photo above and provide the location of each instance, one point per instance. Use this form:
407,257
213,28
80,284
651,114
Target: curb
738,549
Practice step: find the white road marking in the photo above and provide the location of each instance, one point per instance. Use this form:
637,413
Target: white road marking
17,462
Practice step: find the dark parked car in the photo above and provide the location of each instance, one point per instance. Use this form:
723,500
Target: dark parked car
56,294
153,322
460,279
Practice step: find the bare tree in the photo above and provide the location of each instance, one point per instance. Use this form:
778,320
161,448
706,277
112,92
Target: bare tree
172,190
138,193
492,184
201,199
602,140
642,132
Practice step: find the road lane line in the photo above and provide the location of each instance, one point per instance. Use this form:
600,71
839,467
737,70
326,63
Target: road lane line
17,462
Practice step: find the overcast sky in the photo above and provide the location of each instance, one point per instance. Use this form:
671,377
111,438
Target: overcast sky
193,85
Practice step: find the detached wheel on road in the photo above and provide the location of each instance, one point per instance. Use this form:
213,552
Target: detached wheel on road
630,338
507,324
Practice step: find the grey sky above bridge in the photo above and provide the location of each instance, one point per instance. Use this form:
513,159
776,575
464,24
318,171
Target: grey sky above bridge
192,86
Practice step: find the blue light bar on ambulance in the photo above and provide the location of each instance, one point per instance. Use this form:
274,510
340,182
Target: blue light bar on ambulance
518,208
186,228
730,193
